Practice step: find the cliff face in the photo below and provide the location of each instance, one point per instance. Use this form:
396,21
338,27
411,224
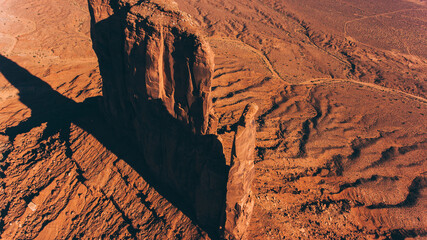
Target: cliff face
157,73
150,54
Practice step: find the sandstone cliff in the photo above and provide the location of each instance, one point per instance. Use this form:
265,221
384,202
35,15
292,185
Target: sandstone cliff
157,71
152,52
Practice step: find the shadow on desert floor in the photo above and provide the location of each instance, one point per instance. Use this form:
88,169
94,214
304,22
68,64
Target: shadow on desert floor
59,112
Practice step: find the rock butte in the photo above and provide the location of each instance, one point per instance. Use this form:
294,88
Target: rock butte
157,71
339,150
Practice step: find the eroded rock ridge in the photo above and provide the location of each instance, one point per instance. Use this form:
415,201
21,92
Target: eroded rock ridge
239,200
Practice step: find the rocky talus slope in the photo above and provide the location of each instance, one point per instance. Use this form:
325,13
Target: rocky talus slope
333,115
142,160
64,175
340,130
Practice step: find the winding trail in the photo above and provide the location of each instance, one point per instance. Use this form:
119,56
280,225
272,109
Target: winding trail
378,15
370,85
26,22
254,50
318,80
347,35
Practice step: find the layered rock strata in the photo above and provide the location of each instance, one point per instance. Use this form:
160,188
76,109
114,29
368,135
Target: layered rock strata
157,73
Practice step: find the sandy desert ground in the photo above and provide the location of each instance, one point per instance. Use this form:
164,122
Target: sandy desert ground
341,130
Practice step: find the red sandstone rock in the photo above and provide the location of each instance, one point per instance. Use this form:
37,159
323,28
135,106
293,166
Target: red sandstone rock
152,52
157,72
240,203
341,142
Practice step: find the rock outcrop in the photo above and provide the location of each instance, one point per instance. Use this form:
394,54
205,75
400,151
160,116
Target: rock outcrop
341,137
240,202
157,73
150,54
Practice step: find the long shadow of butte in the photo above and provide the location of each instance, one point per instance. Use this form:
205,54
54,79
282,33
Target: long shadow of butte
59,112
